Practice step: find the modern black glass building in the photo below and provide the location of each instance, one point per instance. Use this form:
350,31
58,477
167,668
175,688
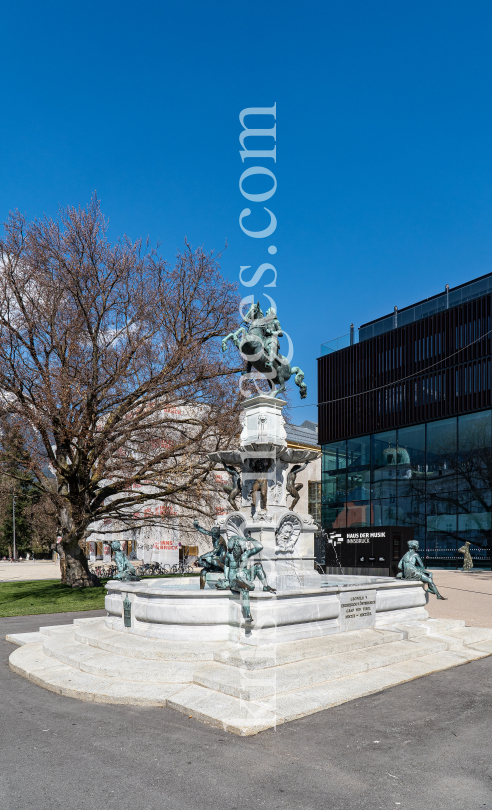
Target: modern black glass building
405,424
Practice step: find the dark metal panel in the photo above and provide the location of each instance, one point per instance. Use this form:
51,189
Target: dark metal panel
365,388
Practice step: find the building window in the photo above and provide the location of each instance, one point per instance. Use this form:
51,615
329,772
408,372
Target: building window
314,500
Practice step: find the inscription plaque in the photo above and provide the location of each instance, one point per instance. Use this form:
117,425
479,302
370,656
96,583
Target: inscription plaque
357,610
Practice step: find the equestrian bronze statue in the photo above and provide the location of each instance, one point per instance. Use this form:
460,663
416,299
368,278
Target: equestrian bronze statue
258,342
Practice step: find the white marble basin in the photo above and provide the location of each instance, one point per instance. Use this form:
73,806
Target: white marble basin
180,611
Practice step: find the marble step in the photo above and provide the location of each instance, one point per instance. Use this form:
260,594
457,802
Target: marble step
66,649
104,664
427,627
58,629
31,662
131,646
253,685
223,711
93,633
470,635
312,699
24,638
482,646
292,651
242,701
277,654
244,718
48,630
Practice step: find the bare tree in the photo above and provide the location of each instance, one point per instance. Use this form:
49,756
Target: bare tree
111,370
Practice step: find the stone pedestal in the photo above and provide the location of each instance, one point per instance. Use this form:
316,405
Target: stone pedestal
263,425
286,566
287,537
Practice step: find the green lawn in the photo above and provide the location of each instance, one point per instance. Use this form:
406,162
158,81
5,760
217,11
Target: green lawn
49,596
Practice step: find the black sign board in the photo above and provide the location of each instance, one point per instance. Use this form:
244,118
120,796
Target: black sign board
361,550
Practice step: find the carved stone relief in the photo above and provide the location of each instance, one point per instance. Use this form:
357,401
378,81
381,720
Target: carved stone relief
287,534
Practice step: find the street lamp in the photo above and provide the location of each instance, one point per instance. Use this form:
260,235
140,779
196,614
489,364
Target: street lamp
13,523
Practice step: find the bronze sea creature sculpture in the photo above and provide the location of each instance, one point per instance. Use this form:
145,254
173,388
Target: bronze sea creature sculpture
238,577
126,571
213,561
235,488
293,488
412,567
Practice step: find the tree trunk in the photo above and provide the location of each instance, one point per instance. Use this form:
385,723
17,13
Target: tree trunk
63,566
76,572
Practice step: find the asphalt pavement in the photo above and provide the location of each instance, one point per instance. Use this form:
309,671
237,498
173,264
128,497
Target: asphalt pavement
423,744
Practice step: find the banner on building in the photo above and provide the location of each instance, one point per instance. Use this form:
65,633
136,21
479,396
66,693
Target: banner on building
166,549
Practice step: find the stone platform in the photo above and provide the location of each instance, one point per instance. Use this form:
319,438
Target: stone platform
242,689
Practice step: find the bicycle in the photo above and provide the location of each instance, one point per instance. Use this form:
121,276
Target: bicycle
182,568
102,571
151,569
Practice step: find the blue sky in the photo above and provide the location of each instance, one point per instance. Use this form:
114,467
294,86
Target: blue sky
383,139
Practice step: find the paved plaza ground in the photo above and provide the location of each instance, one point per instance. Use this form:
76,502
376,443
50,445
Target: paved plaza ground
469,597
425,743
28,569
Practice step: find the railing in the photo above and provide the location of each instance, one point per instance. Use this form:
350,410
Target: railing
402,317
340,342
448,299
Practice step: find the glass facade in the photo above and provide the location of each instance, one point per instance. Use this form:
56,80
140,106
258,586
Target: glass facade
435,477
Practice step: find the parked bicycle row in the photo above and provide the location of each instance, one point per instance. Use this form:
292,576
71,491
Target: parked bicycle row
146,570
